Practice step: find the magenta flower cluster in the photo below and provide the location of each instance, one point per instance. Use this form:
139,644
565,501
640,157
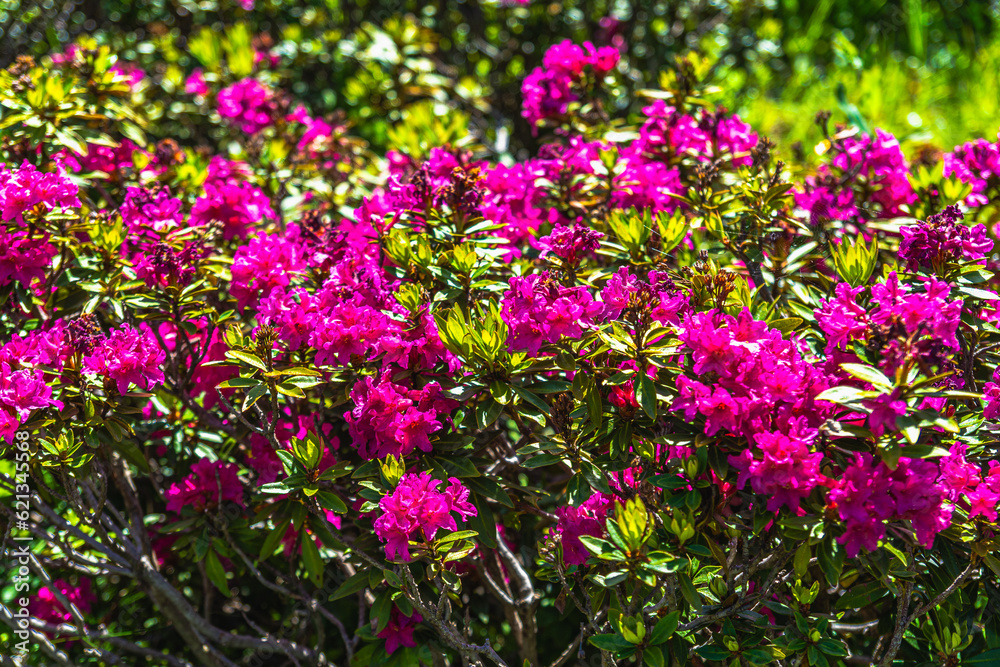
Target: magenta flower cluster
210,484
860,164
978,164
418,508
539,310
248,104
587,519
942,238
548,90
128,356
390,420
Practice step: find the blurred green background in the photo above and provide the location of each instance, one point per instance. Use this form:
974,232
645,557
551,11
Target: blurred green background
926,71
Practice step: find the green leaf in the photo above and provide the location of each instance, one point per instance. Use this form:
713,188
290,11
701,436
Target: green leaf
355,583
484,523
542,460
253,396
216,573
868,374
331,502
664,628
594,477
844,395
133,132
289,389
319,528
238,383
645,393
925,451
688,591
382,609
308,451
990,657
127,448
273,539
311,558
595,406
801,561
247,358
712,652
670,482
529,397
458,466
275,488
457,535
831,647
489,488
854,259
610,642
977,293
786,324
831,560
863,595
653,657
487,412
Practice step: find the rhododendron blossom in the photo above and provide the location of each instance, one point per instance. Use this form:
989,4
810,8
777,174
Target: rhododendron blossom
127,356
238,206
308,349
248,104
210,484
539,310
25,188
391,420
575,522
417,509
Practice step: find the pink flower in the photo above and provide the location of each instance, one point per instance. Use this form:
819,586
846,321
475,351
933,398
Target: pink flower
111,160
147,213
267,263
24,256
389,419
880,160
575,522
128,356
869,494
978,163
26,188
418,507
538,310
787,473
720,411
957,475
46,607
991,394
842,318
237,205
942,238
164,265
754,383
208,485
983,502
248,104
549,89
399,631
23,391
884,411
572,244
131,73
195,84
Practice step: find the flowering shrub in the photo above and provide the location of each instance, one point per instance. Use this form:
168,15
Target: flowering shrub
285,401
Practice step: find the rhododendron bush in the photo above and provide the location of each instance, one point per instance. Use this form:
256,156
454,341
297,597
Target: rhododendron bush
649,396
